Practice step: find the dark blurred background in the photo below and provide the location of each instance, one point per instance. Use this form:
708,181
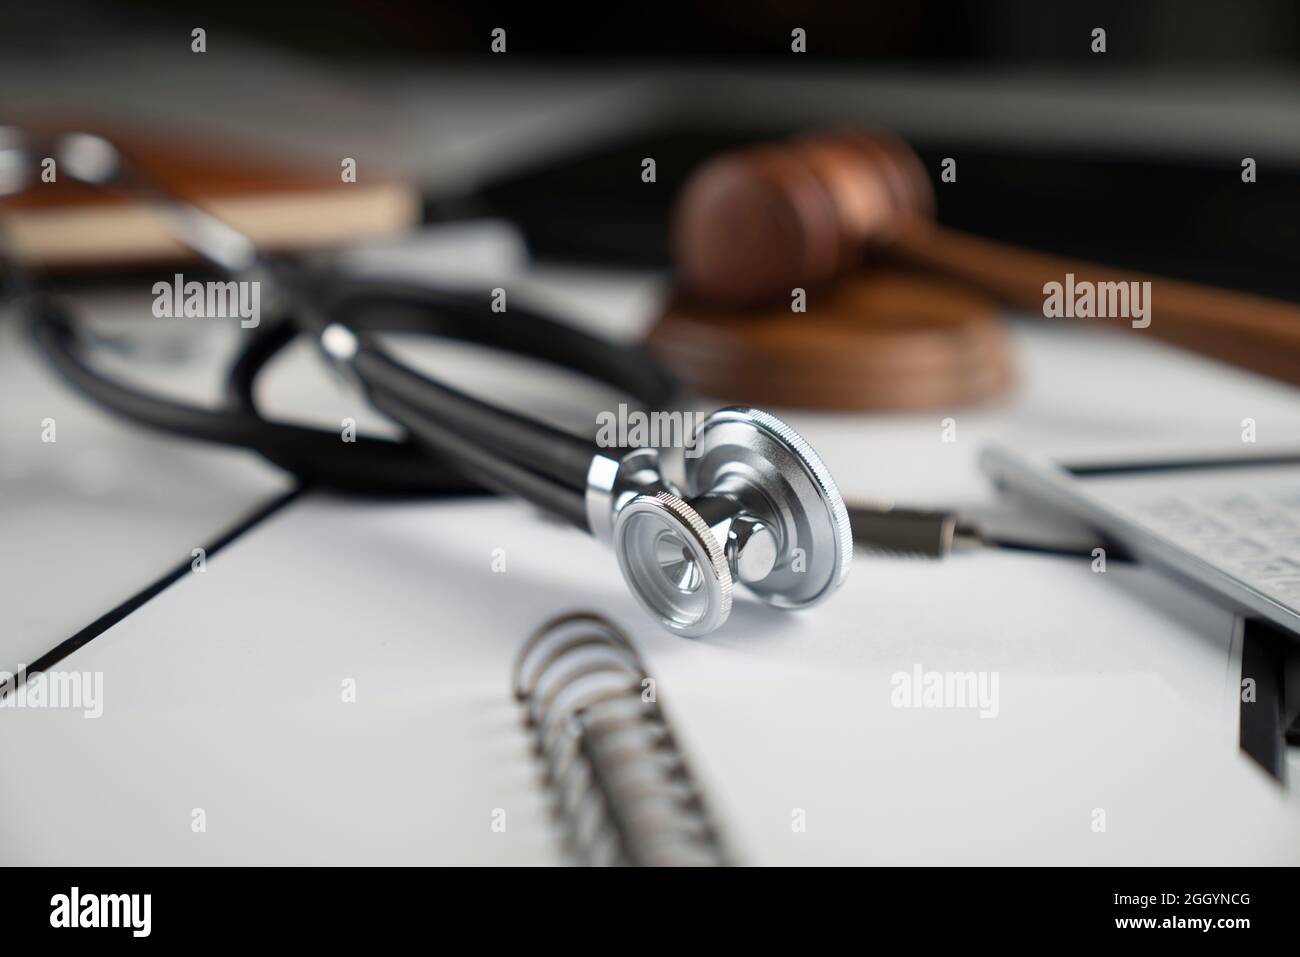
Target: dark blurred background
1129,157
1153,34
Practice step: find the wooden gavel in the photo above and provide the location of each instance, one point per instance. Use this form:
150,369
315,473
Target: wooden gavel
755,224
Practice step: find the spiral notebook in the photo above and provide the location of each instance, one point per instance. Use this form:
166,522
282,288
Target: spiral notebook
803,769
624,793
345,685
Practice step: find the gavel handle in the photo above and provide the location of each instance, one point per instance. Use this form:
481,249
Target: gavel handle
1251,331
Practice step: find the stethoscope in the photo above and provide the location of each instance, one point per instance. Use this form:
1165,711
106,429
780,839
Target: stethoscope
757,505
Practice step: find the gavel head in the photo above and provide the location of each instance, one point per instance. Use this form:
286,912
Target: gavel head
752,225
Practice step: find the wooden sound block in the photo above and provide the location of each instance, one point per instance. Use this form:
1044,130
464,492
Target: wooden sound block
879,340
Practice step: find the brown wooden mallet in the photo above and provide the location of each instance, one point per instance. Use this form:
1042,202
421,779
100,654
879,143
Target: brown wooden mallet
753,225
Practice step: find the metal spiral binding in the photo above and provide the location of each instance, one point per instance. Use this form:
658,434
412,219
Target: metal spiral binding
622,790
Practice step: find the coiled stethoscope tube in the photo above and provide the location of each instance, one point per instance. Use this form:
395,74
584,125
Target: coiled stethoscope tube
759,506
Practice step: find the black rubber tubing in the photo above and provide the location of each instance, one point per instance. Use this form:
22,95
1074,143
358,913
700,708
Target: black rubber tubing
455,426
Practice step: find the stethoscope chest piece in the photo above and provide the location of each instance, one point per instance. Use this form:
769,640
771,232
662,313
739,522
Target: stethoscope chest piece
760,509
674,563
776,476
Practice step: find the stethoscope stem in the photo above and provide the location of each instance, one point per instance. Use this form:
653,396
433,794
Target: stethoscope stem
503,452
559,455
493,472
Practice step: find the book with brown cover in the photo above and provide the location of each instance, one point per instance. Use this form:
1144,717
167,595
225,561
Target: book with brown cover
66,225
